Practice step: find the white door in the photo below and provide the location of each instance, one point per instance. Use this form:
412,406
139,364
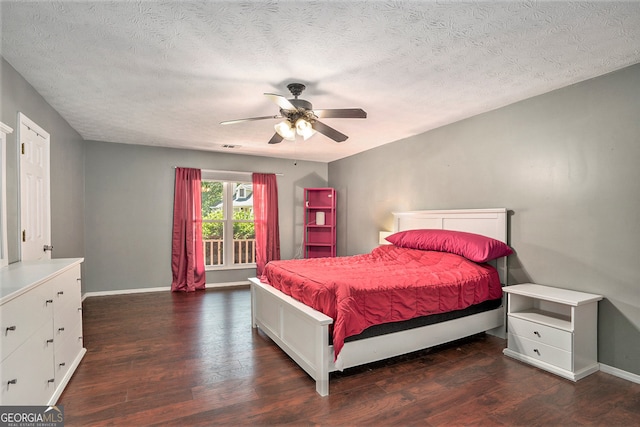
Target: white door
35,210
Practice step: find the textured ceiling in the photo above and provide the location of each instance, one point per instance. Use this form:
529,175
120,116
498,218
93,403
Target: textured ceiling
166,73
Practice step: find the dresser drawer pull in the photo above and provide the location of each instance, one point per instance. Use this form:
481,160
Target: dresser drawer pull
50,340
9,328
61,364
536,351
49,301
52,380
536,333
61,329
13,381
61,293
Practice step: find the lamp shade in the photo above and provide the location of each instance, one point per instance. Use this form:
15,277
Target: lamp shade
304,129
285,130
383,236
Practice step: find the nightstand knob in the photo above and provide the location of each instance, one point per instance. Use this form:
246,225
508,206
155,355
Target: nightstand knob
536,333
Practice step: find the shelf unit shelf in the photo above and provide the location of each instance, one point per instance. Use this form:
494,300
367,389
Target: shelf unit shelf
319,207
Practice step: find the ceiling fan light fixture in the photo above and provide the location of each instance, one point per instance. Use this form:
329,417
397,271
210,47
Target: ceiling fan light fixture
304,129
301,119
285,130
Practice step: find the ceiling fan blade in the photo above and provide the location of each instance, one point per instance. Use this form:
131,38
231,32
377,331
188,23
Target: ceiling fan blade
275,139
250,119
344,113
281,101
329,131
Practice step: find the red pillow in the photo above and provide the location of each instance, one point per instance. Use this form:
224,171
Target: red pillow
474,247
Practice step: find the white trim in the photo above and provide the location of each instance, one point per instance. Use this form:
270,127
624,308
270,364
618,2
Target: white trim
124,292
5,129
4,248
249,266
232,176
159,289
227,284
625,375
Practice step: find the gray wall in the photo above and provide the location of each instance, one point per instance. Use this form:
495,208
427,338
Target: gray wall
566,165
67,166
129,205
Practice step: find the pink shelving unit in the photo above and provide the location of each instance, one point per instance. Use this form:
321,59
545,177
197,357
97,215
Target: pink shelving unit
319,222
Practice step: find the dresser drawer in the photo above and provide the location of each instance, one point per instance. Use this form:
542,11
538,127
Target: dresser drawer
67,349
27,375
66,291
539,351
541,333
66,320
22,316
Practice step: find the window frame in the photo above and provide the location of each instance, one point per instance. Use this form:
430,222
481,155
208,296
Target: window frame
227,179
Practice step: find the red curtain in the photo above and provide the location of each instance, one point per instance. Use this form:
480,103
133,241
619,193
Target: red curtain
187,259
265,212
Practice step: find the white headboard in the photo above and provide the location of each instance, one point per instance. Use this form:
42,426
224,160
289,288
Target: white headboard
487,222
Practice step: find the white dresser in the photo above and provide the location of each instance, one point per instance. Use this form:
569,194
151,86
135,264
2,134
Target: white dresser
554,329
41,329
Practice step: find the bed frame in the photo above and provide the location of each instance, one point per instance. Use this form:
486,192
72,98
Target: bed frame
303,333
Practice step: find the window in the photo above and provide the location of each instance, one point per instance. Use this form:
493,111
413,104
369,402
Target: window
228,233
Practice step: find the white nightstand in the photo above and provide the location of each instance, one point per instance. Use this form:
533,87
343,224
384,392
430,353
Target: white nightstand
554,329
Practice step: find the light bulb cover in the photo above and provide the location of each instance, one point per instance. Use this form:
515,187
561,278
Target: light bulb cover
285,130
304,129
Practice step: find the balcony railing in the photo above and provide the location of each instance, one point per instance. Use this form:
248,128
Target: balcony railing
244,252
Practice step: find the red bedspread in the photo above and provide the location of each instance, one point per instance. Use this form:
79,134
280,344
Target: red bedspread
389,284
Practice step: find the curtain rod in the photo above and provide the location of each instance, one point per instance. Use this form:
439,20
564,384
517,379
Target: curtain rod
221,171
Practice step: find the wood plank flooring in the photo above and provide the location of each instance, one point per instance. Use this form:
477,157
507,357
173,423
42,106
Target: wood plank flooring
193,360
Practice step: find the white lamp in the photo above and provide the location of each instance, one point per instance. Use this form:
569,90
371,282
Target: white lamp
383,235
285,130
304,129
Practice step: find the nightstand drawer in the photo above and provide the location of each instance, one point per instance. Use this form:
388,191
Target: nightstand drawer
541,333
537,350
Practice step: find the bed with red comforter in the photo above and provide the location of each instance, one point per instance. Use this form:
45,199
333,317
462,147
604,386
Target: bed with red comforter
397,284
330,314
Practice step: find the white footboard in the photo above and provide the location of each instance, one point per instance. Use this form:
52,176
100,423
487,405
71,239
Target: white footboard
302,332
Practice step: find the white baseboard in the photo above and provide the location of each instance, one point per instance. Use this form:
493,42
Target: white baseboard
160,289
227,284
620,373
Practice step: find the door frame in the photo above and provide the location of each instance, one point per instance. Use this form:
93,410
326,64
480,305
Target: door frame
4,249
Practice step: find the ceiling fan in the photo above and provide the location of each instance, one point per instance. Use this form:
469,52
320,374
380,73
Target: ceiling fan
300,117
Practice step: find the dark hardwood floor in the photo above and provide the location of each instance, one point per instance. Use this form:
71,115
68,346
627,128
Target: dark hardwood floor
193,359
